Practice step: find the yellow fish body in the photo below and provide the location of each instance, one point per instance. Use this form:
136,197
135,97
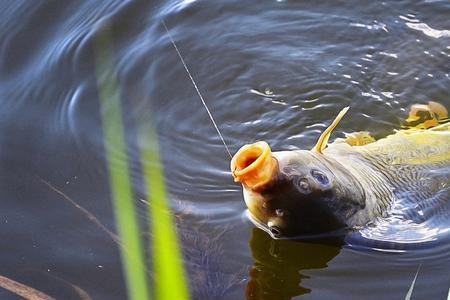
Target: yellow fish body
345,184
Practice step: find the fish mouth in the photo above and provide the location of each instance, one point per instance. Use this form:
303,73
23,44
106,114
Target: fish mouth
263,226
254,165
337,233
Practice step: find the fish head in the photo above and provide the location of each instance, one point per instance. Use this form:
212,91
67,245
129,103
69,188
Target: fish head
292,193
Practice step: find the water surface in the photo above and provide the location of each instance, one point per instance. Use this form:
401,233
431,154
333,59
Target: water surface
269,70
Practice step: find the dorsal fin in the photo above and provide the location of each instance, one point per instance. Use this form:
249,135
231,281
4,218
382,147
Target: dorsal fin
323,139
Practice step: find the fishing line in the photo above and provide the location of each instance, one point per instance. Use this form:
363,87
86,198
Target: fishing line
196,88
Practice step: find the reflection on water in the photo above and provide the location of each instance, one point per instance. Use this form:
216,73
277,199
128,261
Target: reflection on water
278,265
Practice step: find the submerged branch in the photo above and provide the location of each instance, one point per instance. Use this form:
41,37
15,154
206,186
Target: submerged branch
88,215
23,290
78,290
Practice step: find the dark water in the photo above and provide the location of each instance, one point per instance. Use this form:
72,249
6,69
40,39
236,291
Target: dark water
270,70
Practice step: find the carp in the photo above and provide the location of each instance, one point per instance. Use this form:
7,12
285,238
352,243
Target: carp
348,183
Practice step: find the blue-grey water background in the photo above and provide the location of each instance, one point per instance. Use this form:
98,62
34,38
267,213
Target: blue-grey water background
270,70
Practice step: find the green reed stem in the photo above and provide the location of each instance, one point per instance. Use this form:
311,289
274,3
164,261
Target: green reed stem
413,283
131,251
170,279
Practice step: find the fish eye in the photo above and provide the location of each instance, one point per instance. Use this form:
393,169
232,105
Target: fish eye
302,184
320,177
279,212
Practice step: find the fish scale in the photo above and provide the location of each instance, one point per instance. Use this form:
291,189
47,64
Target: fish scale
416,165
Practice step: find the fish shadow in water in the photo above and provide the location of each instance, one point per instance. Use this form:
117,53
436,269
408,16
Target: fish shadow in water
277,269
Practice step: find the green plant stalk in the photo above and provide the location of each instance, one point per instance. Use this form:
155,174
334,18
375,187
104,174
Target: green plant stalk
170,279
413,283
128,227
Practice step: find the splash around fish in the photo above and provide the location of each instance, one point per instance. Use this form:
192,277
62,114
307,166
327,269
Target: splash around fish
349,183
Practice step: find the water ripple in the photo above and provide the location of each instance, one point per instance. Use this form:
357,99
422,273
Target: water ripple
427,30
